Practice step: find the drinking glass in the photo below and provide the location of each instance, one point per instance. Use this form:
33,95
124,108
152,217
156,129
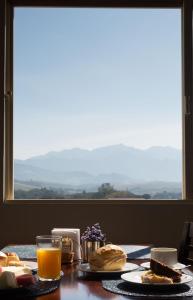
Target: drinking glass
49,250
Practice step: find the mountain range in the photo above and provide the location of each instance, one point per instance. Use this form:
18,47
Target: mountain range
119,165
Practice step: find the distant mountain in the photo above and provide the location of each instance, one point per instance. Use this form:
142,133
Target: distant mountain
24,186
25,172
34,176
164,153
118,164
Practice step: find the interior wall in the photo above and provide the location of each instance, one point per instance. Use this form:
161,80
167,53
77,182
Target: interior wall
157,224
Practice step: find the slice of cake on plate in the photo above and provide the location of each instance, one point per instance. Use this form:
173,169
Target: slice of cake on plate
160,273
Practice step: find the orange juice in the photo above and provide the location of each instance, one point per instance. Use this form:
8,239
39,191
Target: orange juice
49,263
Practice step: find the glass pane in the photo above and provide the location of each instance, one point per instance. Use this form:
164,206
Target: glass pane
97,103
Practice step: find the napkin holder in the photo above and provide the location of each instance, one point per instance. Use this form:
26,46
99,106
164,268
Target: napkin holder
72,234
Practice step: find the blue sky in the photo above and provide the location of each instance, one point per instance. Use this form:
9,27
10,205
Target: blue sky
95,77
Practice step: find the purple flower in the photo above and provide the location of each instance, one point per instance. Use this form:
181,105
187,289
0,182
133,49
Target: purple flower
93,233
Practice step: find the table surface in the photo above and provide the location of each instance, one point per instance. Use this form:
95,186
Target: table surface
76,286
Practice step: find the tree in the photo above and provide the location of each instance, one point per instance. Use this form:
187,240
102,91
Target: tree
105,189
146,196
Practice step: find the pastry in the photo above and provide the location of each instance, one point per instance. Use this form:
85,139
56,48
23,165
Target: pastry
163,270
12,259
107,258
3,259
15,263
150,277
12,256
160,273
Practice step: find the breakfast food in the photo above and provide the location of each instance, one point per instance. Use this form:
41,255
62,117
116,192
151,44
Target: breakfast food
160,273
25,280
107,258
8,280
12,257
3,259
14,277
13,273
18,271
9,259
150,277
163,270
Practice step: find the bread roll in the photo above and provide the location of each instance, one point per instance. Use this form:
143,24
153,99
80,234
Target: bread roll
11,257
108,258
15,263
3,259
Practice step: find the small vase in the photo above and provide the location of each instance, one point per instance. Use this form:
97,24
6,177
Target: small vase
89,247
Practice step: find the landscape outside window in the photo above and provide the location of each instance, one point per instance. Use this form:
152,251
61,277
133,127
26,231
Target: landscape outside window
97,103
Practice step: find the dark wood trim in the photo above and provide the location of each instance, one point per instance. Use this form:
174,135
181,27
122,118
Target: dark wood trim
9,104
191,232
187,107
183,250
2,81
190,248
186,246
9,81
99,3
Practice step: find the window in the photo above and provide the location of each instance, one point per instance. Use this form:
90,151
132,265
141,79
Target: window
95,71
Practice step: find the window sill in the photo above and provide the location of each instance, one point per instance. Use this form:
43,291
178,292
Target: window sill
97,202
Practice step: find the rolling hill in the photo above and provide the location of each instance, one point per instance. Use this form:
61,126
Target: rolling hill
122,166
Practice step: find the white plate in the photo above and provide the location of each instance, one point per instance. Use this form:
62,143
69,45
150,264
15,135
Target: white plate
33,265
30,264
135,278
128,267
177,266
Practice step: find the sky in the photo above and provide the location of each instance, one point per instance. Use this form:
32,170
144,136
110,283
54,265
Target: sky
90,78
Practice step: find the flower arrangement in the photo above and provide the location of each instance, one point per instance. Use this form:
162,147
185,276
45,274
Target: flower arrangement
93,233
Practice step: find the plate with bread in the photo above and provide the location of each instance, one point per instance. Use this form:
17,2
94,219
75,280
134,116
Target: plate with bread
15,273
158,275
127,268
11,259
108,259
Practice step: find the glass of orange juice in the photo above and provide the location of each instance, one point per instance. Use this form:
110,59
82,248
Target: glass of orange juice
49,250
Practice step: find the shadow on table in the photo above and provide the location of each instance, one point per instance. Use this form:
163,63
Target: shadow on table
99,291
98,276
163,290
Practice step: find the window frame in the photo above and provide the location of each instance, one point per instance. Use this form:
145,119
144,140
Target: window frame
6,86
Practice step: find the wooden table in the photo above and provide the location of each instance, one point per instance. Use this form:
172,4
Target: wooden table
75,286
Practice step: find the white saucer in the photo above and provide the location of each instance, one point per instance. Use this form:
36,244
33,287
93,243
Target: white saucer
177,266
128,267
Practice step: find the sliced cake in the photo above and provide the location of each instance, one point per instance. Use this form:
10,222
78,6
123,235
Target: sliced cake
163,270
